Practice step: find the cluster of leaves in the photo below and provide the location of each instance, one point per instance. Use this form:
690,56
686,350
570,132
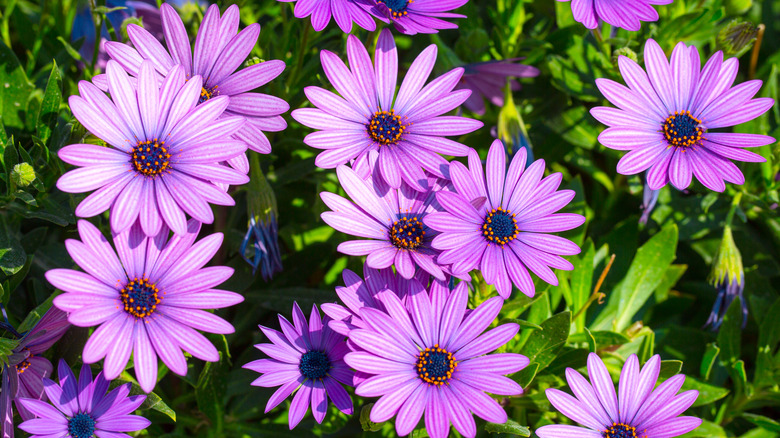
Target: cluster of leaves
651,298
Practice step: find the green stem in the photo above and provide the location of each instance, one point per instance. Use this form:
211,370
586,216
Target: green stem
733,209
299,61
98,24
602,44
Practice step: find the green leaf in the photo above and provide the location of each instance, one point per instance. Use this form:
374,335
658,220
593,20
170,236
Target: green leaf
669,368
646,347
603,338
15,89
591,340
50,106
707,429
12,255
768,337
644,275
708,360
707,393
511,427
153,401
6,348
671,277
210,390
544,345
763,422
71,51
730,333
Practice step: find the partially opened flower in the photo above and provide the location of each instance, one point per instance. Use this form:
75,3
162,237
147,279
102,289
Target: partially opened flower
635,411
344,13
358,293
146,302
391,219
82,408
22,377
499,221
627,14
165,153
309,357
487,80
394,137
419,16
430,357
665,118
218,52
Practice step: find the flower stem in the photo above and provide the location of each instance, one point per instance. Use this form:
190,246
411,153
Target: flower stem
733,209
603,45
596,294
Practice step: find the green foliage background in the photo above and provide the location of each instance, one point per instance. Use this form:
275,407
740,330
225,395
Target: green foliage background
656,297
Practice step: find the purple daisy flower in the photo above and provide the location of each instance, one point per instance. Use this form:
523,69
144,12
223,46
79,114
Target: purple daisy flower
393,138
22,377
309,357
344,12
418,16
165,152
391,218
636,411
218,52
358,293
148,301
664,118
627,14
431,357
487,80
83,409
499,222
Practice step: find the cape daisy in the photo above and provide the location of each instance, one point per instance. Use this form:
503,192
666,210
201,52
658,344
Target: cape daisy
147,301
393,136
635,411
392,220
164,156
419,16
665,117
499,220
431,357
627,14
218,52
83,408
309,357
344,13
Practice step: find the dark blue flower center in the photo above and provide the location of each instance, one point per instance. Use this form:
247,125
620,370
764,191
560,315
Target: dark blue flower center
81,426
500,226
385,127
140,297
23,365
620,430
407,233
397,7
435,365
681,129
207,93
314,365
151,158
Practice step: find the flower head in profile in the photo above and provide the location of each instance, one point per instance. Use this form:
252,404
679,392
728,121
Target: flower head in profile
309,357
627,14
147,301
82,408
344,13
392,136
358,293
499,221
487,80
26,367
164,155
635,411
418,16
219,50
262,232
728,277
390,219
431,357
665,118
